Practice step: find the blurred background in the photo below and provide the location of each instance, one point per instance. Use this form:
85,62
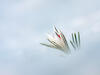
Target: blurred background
23,25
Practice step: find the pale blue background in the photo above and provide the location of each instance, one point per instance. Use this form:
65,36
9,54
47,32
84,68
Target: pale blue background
23,25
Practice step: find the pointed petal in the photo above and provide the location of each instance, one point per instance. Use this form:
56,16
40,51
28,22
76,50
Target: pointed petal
55,29
55,44
72,44
79,38
64,39
75,39
47,45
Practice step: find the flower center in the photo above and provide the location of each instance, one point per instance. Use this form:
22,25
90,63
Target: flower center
58,36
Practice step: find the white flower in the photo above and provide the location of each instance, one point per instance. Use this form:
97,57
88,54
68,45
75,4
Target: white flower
57,41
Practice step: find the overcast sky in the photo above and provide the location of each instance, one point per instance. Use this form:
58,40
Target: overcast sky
24,24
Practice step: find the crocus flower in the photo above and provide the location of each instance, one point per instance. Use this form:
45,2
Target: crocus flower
58,41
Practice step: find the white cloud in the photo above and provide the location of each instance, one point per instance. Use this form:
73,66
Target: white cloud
86,22
7,69
90,69
23,6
